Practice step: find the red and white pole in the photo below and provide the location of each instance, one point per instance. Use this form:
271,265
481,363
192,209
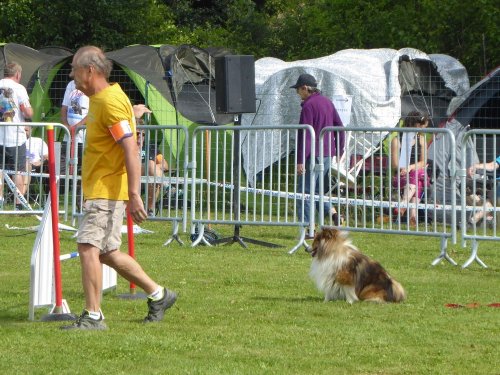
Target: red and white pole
131,246
54,202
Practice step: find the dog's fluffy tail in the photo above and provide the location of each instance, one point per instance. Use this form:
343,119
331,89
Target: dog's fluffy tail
398,293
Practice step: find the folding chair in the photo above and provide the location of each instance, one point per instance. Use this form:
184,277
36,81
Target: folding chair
347,169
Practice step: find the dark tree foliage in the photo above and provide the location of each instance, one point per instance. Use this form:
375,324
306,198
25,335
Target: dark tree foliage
287,29
111,24
195,13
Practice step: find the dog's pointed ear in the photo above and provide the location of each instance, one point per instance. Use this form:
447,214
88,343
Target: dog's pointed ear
343,234
329,233
334,234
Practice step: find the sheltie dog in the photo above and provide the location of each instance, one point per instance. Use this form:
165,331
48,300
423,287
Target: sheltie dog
342,272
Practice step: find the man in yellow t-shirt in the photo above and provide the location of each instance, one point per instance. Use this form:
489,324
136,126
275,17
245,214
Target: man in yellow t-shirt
110,181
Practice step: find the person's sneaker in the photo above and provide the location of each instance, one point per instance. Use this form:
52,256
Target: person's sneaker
156,309
19,207
151,212
86,323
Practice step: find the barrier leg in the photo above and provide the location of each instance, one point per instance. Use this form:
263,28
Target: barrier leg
175,235
302,241
473,257
201,237
444,253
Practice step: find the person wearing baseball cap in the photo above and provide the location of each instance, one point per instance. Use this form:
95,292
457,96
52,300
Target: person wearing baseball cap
305,80
319,112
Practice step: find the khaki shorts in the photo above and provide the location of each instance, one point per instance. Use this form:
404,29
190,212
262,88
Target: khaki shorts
101,225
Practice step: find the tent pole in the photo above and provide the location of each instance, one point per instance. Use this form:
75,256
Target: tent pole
147,116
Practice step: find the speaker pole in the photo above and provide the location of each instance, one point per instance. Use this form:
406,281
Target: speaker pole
236,197
235,93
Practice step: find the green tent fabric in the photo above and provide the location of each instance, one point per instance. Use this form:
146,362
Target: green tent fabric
38,72
45,106
191,75
143,65
30,59
176,83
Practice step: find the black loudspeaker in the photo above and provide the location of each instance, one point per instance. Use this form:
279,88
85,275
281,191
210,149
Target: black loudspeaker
235,84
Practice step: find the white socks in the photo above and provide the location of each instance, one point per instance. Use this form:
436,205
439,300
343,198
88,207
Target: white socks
95,315
157,294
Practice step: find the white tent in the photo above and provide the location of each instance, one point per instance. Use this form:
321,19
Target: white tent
384,85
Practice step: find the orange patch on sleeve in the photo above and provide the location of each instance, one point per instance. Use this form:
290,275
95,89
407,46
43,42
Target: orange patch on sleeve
120,130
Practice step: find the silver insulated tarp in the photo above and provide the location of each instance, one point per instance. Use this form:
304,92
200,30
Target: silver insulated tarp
375,80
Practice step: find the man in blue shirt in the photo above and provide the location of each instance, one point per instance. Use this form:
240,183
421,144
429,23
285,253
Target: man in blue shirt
319,112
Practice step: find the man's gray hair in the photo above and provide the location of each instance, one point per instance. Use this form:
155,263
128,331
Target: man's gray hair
312,89
91,55
11,69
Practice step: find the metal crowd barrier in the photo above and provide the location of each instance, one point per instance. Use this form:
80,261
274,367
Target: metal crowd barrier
235,182
480,200
168,189
361,188
231,179
172,203
36,181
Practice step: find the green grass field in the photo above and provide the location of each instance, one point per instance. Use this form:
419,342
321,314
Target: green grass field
255,311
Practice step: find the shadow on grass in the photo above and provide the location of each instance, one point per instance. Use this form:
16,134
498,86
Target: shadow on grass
13,316
288,299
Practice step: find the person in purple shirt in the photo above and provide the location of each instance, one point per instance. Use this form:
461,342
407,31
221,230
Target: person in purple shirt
319,112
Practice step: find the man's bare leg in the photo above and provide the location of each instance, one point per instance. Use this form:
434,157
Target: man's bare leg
91,276
129,269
